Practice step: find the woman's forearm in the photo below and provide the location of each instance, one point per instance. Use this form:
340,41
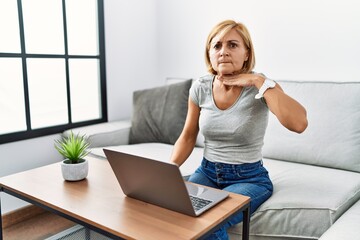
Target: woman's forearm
288,111
182,150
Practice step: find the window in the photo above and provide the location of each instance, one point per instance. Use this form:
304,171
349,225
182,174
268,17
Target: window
52,67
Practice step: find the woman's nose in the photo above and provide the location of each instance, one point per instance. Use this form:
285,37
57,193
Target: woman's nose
224,52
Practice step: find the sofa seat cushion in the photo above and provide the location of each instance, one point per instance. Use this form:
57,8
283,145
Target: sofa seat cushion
158,151
306,201
346,227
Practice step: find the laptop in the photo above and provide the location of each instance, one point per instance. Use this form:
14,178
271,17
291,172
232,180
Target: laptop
160,183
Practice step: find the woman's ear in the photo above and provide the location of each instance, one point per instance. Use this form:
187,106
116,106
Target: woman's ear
247,55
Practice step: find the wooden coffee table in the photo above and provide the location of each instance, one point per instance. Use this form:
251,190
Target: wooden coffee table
99,204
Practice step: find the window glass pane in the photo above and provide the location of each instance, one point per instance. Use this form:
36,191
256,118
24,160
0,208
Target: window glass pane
9,27
43,26
47,92
82,31
85,89
12,107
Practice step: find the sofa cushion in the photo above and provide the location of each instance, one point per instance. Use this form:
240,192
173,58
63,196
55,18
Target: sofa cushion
159,113
332,138
104,134
346,227
158,151
306,201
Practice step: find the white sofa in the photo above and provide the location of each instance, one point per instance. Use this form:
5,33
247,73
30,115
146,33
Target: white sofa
316,175
346,227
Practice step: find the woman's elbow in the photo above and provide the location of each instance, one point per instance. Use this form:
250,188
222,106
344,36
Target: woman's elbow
301,126
296,124
301,123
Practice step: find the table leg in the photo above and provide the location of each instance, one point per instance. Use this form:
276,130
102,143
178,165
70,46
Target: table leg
246,223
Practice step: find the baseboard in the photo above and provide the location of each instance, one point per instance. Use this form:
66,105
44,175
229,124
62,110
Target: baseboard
21,214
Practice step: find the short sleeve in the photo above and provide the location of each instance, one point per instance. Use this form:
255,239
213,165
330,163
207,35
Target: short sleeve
194,92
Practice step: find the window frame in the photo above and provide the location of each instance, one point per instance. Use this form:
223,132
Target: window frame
33,133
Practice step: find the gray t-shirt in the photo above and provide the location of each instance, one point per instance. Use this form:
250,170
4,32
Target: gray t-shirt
234,135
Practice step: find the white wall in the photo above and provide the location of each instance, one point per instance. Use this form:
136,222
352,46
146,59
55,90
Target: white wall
295,40
131,52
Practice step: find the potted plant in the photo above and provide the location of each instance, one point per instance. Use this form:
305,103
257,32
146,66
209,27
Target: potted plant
73,148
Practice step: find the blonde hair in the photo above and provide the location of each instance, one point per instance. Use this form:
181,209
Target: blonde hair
221,29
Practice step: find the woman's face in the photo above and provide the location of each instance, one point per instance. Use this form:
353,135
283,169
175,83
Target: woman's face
228,54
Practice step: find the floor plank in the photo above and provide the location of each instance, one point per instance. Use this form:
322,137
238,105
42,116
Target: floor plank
39,227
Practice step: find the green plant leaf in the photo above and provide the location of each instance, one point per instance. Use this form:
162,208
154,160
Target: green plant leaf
74,147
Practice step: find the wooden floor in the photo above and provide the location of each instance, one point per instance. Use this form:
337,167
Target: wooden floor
38,227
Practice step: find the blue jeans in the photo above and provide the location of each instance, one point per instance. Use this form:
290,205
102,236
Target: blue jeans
249,179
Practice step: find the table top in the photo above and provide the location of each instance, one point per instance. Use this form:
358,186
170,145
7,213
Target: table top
99,201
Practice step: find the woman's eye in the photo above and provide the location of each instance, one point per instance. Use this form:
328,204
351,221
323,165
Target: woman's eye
217,46
232,45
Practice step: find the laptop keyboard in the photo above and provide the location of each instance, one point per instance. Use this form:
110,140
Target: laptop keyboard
199,203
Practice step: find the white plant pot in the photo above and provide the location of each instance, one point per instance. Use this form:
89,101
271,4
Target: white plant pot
75,172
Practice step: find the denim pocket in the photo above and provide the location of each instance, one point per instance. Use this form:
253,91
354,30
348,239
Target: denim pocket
250,170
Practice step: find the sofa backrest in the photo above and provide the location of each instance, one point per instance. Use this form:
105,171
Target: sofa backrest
332,138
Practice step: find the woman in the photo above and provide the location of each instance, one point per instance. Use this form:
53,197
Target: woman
230,107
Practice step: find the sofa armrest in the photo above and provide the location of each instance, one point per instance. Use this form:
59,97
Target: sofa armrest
346,227
104,134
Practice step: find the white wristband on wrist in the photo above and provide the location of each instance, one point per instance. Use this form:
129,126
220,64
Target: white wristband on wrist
268,83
